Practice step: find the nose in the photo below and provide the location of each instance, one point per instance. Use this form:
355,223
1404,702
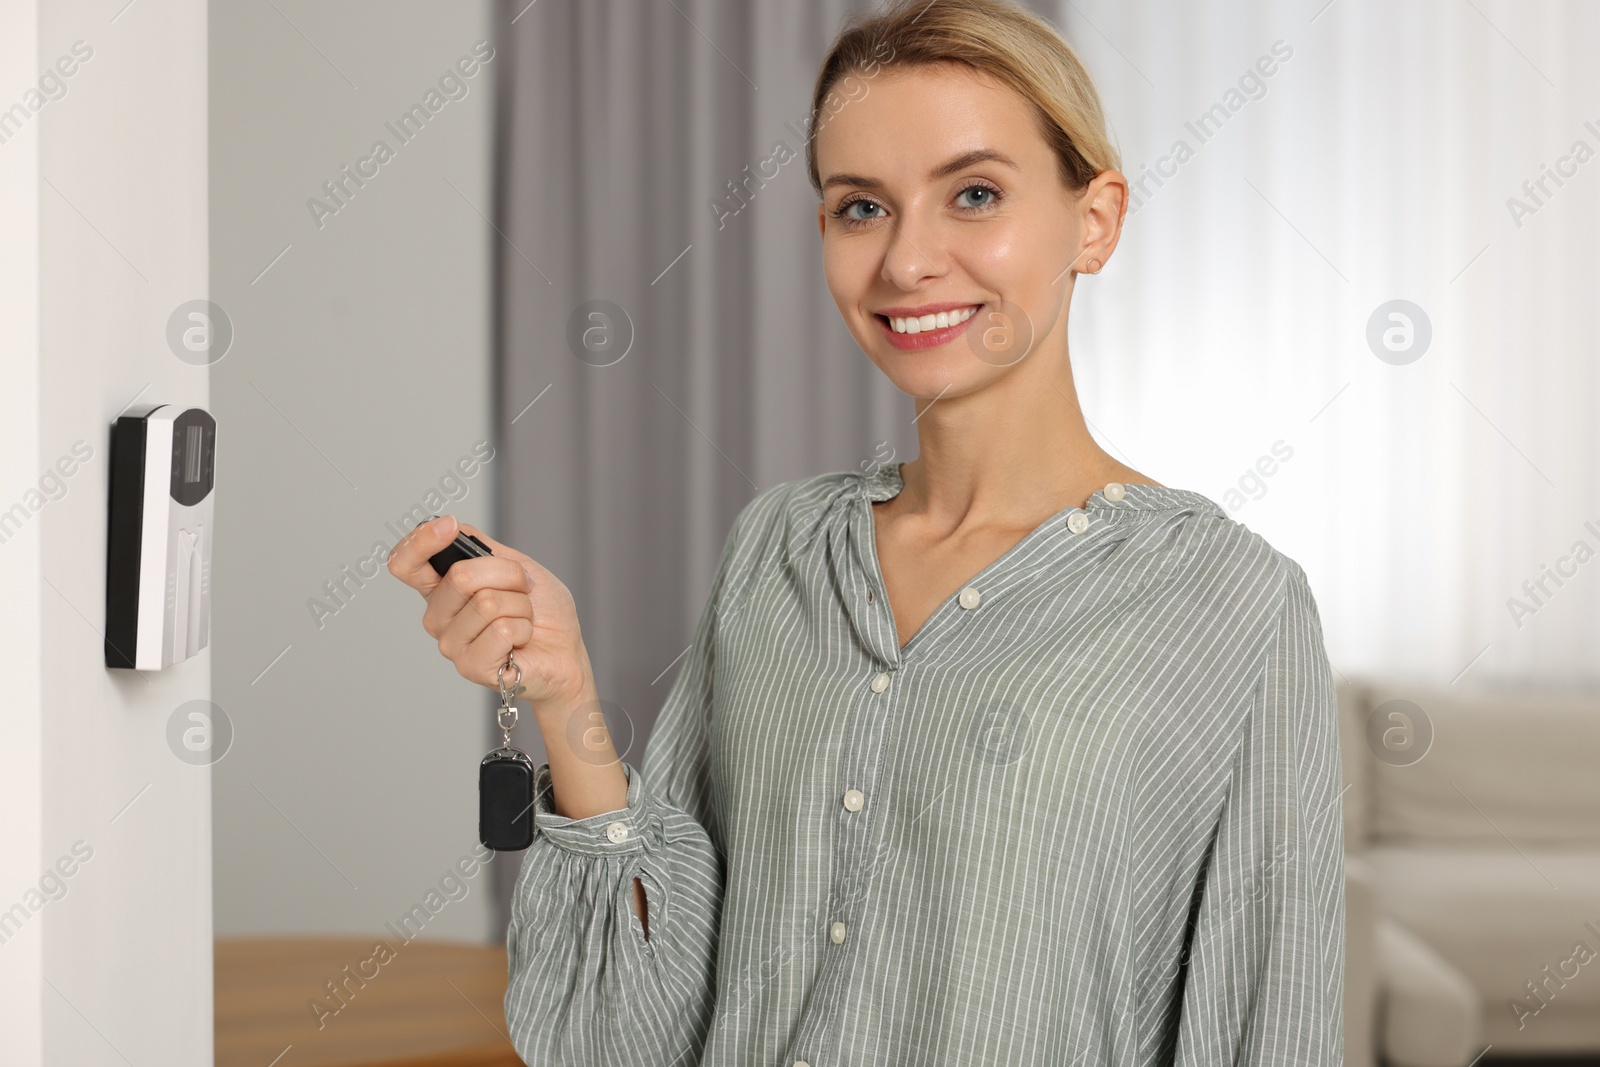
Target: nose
915,251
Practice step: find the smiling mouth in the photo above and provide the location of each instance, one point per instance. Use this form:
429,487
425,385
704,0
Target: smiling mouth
928,323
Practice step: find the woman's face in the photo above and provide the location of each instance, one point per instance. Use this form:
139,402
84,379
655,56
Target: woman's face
904,230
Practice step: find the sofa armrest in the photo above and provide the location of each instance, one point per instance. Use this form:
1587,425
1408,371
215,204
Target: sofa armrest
1360,963
1429,1013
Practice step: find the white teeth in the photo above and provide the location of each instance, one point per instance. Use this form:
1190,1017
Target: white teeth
942,320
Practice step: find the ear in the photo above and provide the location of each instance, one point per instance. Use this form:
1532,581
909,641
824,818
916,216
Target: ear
822,220
1103,207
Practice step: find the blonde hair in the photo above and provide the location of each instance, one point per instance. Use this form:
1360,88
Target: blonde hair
994,37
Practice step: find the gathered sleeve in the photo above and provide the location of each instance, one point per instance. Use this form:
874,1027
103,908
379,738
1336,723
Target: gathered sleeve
1265,960
586,986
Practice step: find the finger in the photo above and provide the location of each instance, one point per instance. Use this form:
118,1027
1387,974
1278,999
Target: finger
481,660
408,560
469,578
485,608
536,571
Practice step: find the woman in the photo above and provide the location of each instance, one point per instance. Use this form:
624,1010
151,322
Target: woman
1006,755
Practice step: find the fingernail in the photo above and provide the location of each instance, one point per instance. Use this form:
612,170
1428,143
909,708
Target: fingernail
441,526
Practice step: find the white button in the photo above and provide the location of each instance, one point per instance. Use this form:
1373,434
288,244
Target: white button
1078,521
801,1063
1115,490
853,799
880,683
618,832
836,931
970,598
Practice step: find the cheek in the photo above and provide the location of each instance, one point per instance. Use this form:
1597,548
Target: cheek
850,267
1021,263
1008,255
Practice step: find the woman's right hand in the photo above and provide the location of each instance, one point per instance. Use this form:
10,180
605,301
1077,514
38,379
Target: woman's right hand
482,608
486,606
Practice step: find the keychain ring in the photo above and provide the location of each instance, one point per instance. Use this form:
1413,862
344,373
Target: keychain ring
500,677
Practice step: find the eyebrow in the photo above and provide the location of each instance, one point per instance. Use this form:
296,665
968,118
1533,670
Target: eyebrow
961,162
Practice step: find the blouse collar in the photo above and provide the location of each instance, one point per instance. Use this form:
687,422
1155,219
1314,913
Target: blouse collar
884,482
839,492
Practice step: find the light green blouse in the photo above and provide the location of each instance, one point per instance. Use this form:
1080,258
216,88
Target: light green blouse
1088,815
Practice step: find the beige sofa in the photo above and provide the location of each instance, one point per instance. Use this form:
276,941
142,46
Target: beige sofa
1472,873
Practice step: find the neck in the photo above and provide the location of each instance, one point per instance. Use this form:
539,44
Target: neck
1012,453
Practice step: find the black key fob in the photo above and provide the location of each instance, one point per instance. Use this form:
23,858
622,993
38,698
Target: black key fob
505,776
505,800
465,546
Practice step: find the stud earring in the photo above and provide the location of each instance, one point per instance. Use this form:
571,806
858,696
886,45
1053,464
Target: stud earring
1094,266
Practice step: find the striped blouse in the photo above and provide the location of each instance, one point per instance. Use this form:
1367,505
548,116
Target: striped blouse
1088,815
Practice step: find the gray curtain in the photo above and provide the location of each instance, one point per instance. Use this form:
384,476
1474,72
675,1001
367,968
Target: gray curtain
718,364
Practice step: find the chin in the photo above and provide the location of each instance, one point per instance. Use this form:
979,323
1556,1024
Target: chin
926,375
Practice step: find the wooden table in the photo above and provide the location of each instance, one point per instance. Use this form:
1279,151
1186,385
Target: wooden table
416,1004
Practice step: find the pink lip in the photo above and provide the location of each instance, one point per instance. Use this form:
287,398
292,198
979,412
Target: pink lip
916,342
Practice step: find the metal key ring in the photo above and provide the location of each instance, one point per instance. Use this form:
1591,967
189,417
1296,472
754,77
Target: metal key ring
508,695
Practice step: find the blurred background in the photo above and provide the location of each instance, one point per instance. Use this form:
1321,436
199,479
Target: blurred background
1354,304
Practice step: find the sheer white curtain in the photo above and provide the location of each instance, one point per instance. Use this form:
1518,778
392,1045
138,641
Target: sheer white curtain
1383,157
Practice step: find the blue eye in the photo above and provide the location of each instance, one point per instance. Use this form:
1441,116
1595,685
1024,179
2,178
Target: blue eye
992,195
839,212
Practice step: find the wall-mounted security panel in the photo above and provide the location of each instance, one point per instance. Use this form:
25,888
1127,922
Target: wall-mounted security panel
158,547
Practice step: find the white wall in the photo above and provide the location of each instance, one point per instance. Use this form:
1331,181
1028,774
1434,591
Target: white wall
358,378
103,193
21,719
